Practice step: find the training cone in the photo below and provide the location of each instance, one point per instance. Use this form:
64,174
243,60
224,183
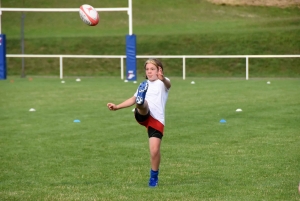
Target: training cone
32,110
76,121
222,121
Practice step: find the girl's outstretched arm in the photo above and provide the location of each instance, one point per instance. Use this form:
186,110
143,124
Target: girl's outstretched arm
127,103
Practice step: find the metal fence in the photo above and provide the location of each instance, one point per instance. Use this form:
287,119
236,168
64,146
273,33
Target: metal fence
183,57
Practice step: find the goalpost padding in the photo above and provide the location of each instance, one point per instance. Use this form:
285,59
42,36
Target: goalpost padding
131,57
2,57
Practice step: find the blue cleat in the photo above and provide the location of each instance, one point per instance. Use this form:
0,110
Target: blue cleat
142,90
153,182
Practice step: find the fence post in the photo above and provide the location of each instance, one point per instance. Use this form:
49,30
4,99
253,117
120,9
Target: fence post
122,68
183,67
247,67
61,66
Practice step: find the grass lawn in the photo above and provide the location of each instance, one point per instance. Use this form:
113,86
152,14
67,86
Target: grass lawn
177,27
46,156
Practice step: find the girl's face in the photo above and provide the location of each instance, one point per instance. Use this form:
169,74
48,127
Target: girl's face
151,71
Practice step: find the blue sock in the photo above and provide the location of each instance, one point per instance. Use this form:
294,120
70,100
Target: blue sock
154,174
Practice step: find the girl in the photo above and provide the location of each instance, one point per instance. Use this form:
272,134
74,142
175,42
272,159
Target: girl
150,100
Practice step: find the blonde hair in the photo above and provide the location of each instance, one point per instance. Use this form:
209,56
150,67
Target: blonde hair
155,62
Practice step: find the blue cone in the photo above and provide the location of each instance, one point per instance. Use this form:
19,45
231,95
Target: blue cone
222,121
76,121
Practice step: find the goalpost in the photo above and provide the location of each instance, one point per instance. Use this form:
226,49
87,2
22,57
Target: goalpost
130,38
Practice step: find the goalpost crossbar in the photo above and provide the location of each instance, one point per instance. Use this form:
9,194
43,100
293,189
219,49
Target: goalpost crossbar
59,9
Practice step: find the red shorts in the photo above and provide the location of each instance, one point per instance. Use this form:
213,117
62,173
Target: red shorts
148,120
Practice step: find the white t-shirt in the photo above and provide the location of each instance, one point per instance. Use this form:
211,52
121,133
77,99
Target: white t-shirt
156,96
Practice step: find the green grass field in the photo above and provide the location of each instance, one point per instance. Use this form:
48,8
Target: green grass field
253,156
46,156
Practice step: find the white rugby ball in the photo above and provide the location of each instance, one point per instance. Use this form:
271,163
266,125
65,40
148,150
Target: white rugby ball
89,15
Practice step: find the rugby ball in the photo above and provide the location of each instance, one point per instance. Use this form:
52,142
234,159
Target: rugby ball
89,15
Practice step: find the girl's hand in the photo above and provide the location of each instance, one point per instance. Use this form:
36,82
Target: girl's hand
112,106
160,74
